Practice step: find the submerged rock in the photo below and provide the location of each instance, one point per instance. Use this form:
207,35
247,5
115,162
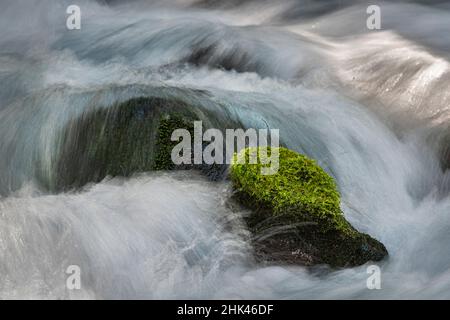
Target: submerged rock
124,139
296,216
121,140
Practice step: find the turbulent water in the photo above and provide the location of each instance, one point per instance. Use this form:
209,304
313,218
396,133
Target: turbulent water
371,106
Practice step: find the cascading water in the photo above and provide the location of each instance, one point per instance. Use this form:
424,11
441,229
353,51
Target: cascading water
371,107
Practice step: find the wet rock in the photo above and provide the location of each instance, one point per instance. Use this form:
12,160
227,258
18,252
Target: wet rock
296,216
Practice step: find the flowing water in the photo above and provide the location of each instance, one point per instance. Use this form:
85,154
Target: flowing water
371,106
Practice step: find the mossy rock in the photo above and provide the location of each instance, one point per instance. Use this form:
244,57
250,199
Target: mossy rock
296,215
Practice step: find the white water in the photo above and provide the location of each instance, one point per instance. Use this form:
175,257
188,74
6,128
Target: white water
362,104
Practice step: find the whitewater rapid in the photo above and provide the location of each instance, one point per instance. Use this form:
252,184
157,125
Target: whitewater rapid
371,108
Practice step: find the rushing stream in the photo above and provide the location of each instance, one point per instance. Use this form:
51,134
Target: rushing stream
373,107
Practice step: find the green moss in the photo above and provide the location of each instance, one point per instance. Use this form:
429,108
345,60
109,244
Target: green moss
300,188
296,216
164,144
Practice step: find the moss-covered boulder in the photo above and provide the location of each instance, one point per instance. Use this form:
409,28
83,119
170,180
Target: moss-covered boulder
296,216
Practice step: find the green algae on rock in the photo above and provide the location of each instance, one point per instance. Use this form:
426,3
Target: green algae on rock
296,215
164,143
